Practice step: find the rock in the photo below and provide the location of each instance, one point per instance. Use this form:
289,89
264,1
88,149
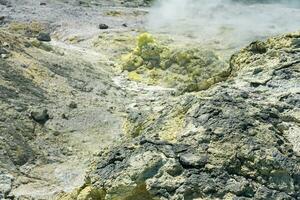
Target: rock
83,3
244,94
192,160
3,51
257,70
24,66
45,37
2,18
73,105
173,167
231,145
43,4
5,2
4,56
20,109
65,116
258,47
5,185
40,117
103,26
240,187
56,133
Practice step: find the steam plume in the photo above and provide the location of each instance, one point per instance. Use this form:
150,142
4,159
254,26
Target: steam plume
226,22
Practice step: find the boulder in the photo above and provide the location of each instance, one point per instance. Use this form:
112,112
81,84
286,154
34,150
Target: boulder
45,37
40,117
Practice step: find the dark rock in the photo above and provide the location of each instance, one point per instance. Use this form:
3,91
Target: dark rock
296,42
264,193
20,108
255,84
56,133
240,187
43,4
83,3
258,47
245,95
103,26
73,105
174,169
65,116
294,100
5,3
257,71
45,37
3,51
24,66
40,117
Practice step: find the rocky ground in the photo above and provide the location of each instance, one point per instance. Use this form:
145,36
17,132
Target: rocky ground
75,123
237,140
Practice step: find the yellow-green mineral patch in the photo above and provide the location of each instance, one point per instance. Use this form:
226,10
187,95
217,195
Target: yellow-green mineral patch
83,193
29,29
187,69
114,13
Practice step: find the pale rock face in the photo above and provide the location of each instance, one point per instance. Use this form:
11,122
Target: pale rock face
5,185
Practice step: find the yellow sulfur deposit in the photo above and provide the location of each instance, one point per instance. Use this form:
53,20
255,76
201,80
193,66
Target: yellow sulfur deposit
186,69
144,39
146,53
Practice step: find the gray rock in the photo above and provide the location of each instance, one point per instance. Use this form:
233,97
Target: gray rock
5,184
45,37
3,50
5,3
103,26
240,187
73,105
193,160
40,116
4,56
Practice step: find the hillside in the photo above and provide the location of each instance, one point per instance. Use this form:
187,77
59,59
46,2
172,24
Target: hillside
100,100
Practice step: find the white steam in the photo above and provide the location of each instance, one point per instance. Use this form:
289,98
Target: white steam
230,23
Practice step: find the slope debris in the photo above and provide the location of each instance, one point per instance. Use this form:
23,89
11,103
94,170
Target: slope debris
45,141
239,139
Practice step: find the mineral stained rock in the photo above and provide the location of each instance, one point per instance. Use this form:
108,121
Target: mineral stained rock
188,70
240,139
